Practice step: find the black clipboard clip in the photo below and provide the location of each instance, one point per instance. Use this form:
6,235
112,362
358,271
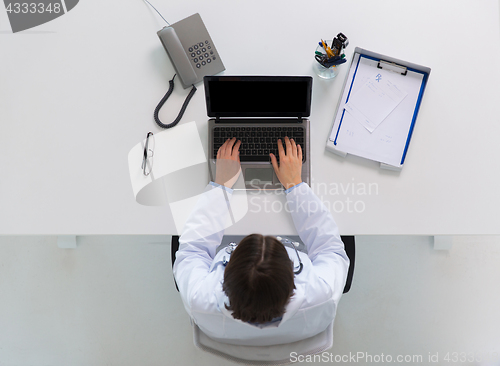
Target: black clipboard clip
391,66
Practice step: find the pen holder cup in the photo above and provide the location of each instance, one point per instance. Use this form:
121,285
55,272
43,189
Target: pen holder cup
325,72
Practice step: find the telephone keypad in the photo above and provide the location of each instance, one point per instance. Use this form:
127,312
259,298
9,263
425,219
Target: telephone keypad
199,53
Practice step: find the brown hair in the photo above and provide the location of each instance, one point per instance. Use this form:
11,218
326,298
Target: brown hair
259,279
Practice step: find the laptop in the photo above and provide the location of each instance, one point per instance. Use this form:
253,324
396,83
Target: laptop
258,110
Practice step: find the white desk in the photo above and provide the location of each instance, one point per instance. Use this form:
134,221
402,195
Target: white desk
78,92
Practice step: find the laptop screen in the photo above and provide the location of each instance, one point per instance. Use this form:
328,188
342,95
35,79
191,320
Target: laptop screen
258,96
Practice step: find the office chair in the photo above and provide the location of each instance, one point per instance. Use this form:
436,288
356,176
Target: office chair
276,354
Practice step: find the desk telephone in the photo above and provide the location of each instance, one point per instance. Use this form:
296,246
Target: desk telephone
191,50
193,55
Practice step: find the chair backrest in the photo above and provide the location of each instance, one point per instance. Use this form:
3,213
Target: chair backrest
349,245
281,354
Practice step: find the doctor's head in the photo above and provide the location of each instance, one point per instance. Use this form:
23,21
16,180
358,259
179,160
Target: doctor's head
259,279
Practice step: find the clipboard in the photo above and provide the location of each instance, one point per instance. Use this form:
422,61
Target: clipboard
388,143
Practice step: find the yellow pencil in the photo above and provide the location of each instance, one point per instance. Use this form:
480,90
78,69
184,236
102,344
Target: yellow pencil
328,50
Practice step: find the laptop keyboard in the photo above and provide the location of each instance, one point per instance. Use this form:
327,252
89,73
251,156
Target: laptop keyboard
258,142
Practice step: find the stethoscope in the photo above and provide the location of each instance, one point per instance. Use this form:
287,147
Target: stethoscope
232,246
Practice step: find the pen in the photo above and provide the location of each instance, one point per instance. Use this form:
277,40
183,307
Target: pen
327,49
336,63
334,59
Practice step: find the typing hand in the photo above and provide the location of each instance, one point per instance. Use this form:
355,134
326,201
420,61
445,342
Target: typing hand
290,167
228,166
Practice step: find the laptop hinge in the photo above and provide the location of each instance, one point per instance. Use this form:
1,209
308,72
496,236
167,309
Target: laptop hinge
217,119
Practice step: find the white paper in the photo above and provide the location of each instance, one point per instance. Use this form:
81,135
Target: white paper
375,101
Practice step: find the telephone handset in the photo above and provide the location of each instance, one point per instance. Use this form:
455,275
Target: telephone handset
191,50
193,55
177,55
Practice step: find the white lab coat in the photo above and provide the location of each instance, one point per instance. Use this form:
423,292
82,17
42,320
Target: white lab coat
199,272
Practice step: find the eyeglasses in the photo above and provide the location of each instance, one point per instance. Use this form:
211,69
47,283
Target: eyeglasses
147,160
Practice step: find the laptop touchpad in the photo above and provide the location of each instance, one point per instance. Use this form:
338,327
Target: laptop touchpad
262,175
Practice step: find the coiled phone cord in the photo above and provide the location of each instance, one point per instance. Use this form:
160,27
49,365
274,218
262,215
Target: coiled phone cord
164,99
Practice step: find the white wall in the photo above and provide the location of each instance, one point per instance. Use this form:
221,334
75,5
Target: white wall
112,301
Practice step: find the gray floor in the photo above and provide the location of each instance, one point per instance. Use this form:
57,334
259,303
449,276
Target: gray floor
112,301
